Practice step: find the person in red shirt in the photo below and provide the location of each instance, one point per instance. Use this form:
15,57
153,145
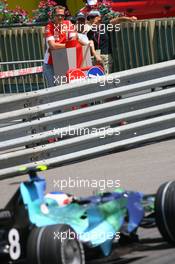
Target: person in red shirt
56,33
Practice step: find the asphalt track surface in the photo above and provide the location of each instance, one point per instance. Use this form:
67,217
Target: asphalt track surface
143,169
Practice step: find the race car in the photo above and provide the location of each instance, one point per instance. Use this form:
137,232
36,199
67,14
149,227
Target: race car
60,228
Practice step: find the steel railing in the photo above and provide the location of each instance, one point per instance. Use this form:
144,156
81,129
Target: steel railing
40,127
15,77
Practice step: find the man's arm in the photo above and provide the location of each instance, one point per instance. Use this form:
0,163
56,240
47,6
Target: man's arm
94,53
118,20
90,35
53,45
50,40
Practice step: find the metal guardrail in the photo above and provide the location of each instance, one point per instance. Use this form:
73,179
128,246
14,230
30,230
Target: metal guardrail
22,25
21,82
21,139
143,43
25,48
88,141
164,37
131,46
21,44
129,77
29,122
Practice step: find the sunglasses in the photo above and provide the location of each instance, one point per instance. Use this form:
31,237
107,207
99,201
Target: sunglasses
59,16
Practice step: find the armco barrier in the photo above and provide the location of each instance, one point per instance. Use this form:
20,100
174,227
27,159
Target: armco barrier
133,76
41,128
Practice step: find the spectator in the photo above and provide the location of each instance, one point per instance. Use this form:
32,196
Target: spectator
55,35
101,36
82,30
64,4
72,19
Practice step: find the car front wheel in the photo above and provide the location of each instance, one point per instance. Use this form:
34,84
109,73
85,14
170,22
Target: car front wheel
56,244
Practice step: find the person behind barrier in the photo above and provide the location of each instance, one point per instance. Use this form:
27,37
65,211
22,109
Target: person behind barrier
82,29
100,34
55,35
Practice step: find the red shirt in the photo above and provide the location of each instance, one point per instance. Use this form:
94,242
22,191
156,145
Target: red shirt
57,33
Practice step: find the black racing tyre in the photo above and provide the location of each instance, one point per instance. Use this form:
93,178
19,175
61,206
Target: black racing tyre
92,253
165,211
46,246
